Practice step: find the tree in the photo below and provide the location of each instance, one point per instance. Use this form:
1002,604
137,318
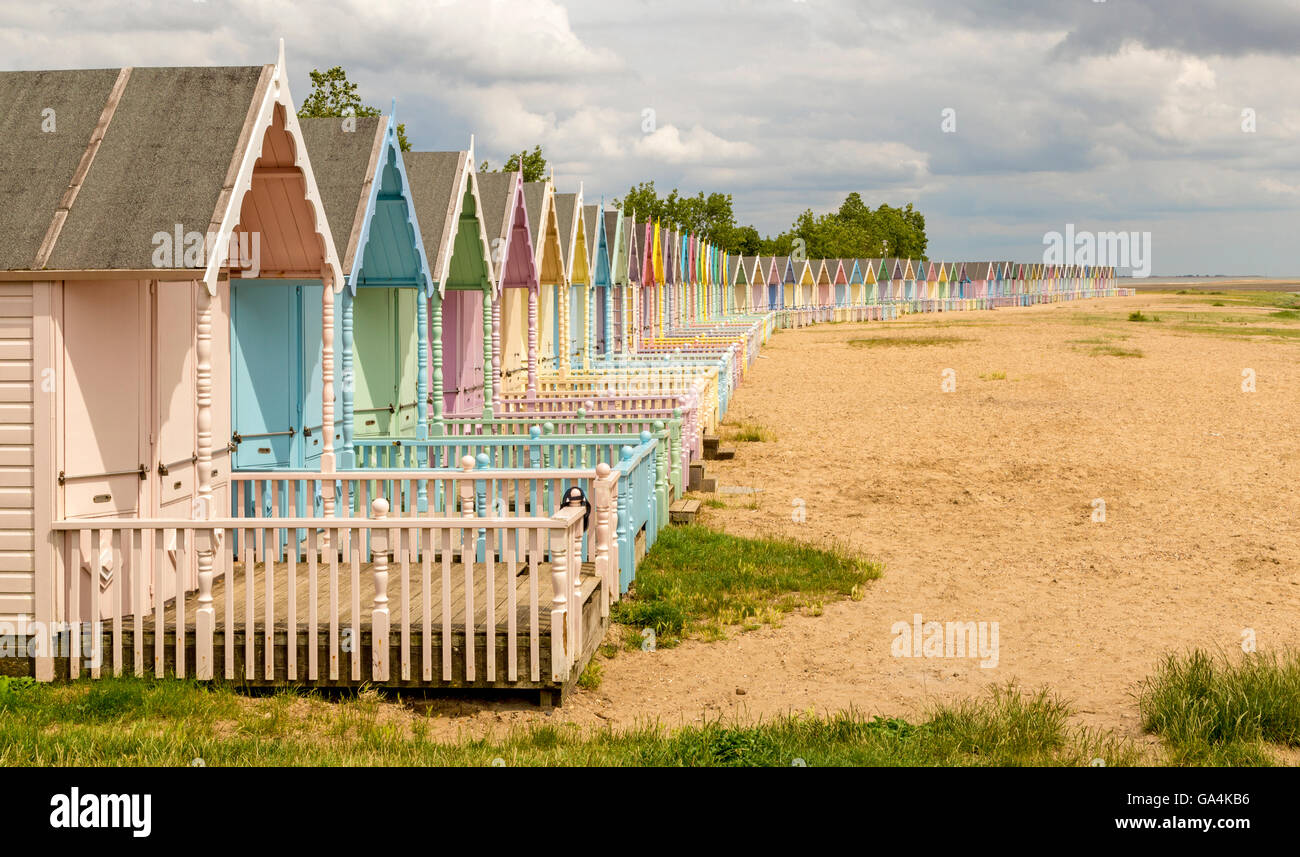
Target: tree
332,94
855,230
534,164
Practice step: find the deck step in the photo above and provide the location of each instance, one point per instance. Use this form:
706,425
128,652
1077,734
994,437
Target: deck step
710,446
683,511
725,453
698,482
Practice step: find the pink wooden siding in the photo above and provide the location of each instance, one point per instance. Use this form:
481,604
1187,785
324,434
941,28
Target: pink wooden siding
16,453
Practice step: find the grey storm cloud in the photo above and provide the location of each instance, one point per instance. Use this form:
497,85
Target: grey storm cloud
1176,116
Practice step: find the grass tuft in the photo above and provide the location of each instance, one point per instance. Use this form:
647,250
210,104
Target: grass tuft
1137,315
1115,351
751,433
907,341
699,581
1212,711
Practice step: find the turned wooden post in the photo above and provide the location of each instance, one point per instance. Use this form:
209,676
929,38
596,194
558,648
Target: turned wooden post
205,619
606,564
379,618
559,603
532,341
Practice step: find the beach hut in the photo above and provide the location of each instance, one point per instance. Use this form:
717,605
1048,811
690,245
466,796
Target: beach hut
651,276
570,297
543,226
384,331
668,247
601,291
758,266
775,281
631,296
514,321
824,276
856,290
798,281
444,190
116,266
616,252
840,281
741,268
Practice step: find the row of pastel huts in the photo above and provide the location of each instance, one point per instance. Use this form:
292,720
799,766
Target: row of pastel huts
811,290
284,404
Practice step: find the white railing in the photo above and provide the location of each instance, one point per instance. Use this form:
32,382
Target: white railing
288,582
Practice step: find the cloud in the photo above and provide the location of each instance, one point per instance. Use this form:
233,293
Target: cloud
1115,114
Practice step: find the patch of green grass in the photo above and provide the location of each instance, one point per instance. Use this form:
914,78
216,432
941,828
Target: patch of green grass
1288,314
714,503
752,433
907,341
699,581
1213,711
994,376
1115,351
591,675
1217,303
1137,315
1003,727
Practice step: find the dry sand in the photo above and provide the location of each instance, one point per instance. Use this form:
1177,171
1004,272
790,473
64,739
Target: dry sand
979,503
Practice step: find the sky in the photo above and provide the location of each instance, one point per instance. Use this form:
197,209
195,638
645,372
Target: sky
1001,120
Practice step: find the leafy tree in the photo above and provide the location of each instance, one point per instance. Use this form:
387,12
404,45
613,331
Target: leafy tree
855,230
534,164
332,94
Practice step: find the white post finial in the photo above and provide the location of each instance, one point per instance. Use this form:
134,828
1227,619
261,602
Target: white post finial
279,63
471,149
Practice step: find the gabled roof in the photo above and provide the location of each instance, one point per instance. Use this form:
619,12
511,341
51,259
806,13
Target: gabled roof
840,275
614,244
591,225
633,237
668,241
505,217
346,161
365,192
135,152
442,184
566,211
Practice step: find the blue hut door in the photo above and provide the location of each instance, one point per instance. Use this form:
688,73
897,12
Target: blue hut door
275,346
600,319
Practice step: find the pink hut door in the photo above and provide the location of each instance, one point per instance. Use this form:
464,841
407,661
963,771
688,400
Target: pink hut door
106,331
106,422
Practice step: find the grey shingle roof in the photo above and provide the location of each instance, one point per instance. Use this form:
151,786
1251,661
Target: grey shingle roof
589,215
434,179
36,166
534,197
163,161
342,162
495,192
564,205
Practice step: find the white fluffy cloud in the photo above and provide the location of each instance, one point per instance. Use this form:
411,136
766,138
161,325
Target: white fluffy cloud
1108,114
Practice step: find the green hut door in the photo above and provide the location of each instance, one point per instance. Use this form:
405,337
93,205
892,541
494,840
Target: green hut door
385,362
